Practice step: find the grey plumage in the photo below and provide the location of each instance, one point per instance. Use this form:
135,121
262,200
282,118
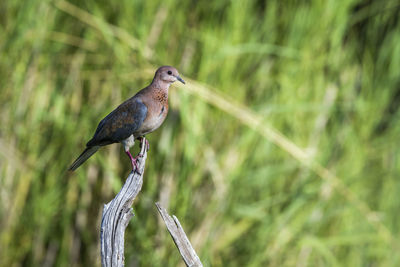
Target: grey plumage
137,116
125,120
87,153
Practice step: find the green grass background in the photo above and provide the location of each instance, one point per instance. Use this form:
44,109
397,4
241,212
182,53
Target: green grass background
281,150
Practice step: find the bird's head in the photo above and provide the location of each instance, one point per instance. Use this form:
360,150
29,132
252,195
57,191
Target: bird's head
168,75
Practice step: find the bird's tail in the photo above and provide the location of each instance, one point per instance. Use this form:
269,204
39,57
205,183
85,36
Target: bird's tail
89,151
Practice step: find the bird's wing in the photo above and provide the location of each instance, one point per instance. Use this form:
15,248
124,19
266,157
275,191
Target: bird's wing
120,123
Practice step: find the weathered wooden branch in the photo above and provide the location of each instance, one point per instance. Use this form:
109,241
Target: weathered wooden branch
180,239
118,212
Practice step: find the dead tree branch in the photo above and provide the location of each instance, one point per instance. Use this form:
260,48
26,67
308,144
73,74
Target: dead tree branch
180,239
117,214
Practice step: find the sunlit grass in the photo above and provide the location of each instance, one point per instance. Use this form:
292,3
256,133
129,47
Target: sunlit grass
278,96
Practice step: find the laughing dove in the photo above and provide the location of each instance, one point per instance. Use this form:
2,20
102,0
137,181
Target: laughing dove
139,115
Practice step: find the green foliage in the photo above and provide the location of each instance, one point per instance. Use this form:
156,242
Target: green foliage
281,150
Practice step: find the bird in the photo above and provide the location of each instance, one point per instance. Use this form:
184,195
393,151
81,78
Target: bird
133,119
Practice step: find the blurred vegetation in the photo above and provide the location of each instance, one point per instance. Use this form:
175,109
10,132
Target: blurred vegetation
281,150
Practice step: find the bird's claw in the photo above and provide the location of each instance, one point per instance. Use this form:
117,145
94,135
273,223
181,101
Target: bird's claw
146,141
134,160
135,167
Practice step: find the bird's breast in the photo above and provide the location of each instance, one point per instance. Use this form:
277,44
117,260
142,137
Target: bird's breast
154,119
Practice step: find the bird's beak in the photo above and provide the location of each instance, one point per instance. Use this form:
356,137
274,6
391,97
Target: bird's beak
180,79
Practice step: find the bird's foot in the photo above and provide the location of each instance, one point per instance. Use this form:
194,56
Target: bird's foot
135,166
147,142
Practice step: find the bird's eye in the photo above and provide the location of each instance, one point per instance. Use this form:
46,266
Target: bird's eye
169,72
